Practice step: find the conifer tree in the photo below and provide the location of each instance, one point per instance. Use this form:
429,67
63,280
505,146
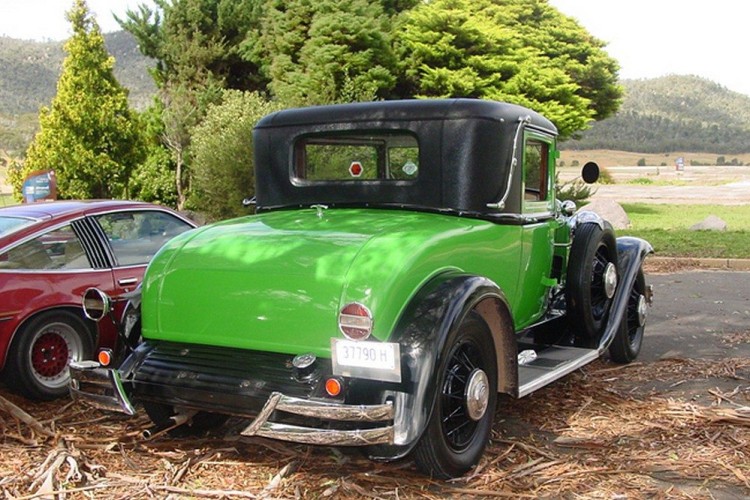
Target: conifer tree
88,135
328,51
522,51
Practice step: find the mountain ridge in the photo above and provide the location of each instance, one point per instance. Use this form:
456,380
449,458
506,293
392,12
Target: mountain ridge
658,115
29,71
673,113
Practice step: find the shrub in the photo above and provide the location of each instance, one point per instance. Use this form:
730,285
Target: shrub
575,190
223,170
605,177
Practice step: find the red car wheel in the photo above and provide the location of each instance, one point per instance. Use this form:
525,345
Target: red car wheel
39,357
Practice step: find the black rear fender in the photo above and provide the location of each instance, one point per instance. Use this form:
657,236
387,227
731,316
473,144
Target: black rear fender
436,310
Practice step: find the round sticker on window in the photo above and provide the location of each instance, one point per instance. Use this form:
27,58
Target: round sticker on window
409,168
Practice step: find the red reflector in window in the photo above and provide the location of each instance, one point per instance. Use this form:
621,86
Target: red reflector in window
355,169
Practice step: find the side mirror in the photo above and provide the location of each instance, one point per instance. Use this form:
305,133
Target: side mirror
96,304
590,172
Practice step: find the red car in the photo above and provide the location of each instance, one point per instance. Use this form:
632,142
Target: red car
50,253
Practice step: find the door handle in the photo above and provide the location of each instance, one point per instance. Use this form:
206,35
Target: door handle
127,281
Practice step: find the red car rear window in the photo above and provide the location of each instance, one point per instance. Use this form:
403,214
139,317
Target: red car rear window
10,224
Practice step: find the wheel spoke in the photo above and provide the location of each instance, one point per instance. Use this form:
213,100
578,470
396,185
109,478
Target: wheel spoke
457,412
467,363
451,433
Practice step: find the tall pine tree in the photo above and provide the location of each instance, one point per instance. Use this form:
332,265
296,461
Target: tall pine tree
88,135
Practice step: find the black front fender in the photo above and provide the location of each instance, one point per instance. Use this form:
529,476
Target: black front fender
631,252
435,312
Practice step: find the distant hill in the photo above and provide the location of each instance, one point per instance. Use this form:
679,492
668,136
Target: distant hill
28,77
29,71
673,113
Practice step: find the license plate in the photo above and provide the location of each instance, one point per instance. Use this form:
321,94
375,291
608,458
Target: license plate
370,360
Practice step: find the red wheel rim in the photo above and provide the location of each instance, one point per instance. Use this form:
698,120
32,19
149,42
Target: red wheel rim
49,355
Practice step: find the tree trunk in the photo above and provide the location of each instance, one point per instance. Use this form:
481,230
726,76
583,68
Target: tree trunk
181,194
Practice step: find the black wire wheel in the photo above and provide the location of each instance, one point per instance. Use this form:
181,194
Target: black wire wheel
628,340
464,405
591,280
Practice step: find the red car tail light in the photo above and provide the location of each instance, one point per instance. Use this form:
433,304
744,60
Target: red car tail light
355,321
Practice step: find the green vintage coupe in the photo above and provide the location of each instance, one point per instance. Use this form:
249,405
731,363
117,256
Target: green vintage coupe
408,261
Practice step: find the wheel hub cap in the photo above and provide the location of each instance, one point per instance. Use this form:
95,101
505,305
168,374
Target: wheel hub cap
50,355
610,280
477,394
642,310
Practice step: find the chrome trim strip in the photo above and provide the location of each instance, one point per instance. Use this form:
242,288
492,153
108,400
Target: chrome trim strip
335,411
262,417
522,120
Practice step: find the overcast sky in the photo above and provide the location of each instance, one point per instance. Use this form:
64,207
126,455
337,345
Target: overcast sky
653,38
45,19
648,37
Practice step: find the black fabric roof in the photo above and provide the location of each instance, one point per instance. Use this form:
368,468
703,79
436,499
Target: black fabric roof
465,153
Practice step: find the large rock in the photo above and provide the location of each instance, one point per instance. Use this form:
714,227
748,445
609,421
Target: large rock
609,210
710,223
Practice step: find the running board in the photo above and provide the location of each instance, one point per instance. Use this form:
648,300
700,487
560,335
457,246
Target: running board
550,364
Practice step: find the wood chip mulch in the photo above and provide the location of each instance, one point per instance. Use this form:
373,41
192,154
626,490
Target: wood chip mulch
604,432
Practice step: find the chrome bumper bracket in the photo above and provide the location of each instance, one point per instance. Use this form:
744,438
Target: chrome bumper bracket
99,387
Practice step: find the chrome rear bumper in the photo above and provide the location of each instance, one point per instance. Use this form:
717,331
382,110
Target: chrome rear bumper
372,414
98,387
102,388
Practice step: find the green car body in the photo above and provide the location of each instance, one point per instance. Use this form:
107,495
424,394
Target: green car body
279,279
407,262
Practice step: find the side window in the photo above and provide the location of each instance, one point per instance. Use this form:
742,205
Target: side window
536,173
59,250
136,236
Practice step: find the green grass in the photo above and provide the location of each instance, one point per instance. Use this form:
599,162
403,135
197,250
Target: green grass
655,181
666,227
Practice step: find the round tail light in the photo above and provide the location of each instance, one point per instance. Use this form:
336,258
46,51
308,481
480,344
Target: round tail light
333,387
105,357
355,321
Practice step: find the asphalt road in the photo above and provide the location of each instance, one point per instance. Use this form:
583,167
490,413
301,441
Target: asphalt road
698,314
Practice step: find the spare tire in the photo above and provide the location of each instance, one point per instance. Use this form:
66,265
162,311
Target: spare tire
591,280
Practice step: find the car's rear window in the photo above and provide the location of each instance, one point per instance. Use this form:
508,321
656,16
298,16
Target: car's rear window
381,156
10,224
